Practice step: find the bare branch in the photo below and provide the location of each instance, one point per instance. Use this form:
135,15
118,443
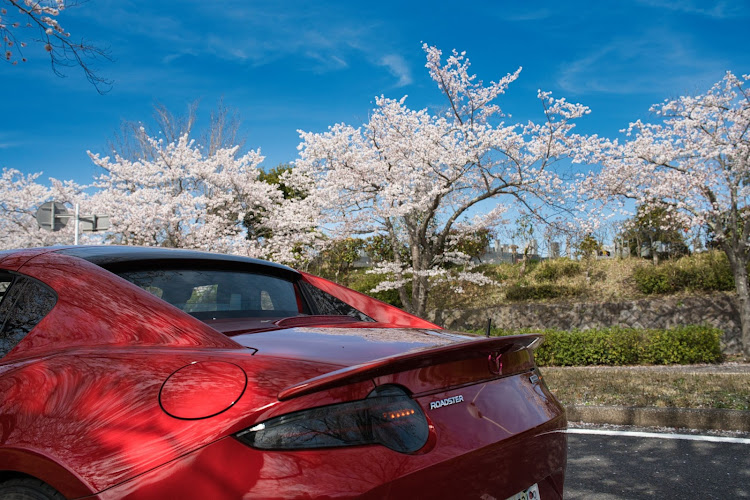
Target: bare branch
40,17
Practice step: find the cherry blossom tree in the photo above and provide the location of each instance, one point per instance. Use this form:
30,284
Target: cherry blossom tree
20,197
132,140
654,226
414,177
187,199
36,22
695,162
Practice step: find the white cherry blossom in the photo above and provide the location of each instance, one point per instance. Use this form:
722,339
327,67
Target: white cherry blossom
24,22
695,161
415,176
187,199
20,197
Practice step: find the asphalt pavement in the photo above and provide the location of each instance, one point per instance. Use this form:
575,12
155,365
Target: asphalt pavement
635,464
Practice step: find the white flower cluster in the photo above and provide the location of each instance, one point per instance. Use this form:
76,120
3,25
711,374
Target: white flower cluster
414,176
695,161
181,198
29,14
20,197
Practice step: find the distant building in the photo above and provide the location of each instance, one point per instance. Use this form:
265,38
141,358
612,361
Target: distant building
508,253
554,250
363,260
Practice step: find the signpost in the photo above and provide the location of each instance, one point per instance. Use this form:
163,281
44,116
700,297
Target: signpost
54,216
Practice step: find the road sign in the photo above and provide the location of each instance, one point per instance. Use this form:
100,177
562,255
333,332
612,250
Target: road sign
52,216
93,223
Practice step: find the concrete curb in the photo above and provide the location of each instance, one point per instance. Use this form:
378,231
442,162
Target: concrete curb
727,420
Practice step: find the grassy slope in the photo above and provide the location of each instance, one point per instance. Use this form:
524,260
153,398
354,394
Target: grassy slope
726,387
563,279
596,280
592,280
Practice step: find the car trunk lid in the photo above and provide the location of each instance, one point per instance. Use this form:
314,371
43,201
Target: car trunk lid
344,345
426,368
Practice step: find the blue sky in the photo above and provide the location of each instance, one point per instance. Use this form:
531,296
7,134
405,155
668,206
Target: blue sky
307,65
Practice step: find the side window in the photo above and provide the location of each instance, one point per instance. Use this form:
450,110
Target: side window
5,280
325,303
24,302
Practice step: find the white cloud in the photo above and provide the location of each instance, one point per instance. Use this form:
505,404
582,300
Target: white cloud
527,15
718,10
321,38
398,67
654,61
7,141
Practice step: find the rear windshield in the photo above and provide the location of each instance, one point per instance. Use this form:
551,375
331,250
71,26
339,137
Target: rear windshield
207,293
211,294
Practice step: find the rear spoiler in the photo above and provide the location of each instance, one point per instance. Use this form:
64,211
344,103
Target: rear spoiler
412,360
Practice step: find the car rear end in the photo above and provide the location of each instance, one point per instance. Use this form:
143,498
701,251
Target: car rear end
498,430
350,408
472,419
475,420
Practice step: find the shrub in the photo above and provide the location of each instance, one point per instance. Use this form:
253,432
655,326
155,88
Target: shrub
553,270
685,345
708,271
497,272
608,346
651,280
625,346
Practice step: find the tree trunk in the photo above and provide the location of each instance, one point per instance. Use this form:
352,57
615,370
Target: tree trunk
739,270
421,299
654,253
524,259
403,294
743,298
420,289
420,285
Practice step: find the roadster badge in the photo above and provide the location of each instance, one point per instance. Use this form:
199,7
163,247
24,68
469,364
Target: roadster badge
446,402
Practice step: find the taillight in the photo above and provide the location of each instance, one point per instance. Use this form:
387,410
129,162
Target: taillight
388,416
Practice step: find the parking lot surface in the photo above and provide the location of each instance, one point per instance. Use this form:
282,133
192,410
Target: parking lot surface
652,465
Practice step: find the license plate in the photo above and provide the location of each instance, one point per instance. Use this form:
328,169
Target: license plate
530,493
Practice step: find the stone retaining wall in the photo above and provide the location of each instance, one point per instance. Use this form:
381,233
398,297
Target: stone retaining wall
718,310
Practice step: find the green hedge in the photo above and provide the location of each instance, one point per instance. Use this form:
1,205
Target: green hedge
626,346
690,344
708,271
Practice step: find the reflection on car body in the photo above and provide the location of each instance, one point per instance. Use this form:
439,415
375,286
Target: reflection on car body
149,373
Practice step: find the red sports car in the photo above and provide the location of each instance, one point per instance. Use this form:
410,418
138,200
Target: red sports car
151,373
